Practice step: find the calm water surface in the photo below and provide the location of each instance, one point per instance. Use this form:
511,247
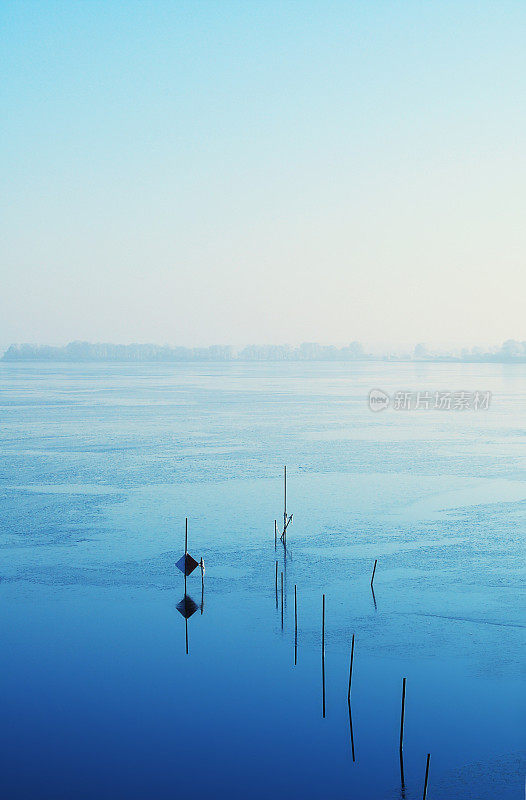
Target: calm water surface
99,466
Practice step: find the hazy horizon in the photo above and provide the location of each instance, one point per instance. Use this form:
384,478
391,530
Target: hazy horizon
196,173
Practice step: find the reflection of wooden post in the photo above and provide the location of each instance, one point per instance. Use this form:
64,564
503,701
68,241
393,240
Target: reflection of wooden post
350,726
402,718
275,533
350,669
281,599
427,776
323,656
295,610
276,584
374,570
295,626
186,633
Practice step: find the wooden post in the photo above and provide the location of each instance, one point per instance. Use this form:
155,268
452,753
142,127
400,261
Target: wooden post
276,584
402,717
374,570
350,669
275,533
284,497
427,776
323,626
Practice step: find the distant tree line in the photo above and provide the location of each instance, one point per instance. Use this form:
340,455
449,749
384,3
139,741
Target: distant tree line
510,351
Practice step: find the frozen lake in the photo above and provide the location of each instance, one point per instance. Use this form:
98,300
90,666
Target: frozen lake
100,464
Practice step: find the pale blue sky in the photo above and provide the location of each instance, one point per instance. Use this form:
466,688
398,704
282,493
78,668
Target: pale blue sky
218,172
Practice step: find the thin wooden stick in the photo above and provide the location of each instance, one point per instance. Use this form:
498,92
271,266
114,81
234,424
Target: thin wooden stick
323,627
402,717
350,669
275,533
427,776
276,584
374,570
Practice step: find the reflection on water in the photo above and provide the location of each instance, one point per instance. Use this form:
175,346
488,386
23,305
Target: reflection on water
101,462
351,728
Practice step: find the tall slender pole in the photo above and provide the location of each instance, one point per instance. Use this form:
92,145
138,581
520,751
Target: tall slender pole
374,570
284,502
185,550
350,669
402,718
427,776
275,533
323,627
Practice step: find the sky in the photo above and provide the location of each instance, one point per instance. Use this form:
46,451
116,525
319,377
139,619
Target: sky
263,172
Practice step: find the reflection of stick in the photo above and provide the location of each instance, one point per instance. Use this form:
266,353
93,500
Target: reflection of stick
295,626
402,718
374,598
350,725
374,570
323,655
427,776
276,584
186,634
275,533
402,779
295,610
281,599
350,669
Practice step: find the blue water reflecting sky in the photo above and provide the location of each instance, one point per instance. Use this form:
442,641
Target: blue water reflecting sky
101,464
